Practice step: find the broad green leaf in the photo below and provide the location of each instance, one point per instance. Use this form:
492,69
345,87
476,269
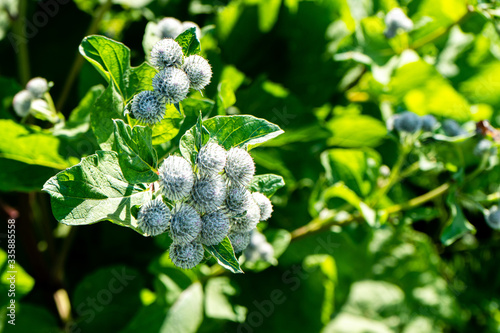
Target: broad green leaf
356,131
31,318
232,131
138,159
224,254
147,320
189,43
115,290
33,145
267,184
108,106
24,282
95,190
82,112
218,304
186,314
110,58
357,168
339,190
458,225
140,79
168,128
13,176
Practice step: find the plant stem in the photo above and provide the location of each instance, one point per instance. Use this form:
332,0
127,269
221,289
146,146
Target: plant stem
22,53
78,62
317,225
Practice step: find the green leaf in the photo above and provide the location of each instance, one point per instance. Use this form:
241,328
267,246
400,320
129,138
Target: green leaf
81,114
24,282
232,131
218,304
168,128
136,154
189,43
224,254
140,79
356,131
115,290
110,58
457,225
267,184
108,106
32,145
186,314
40,320
13,176
95,190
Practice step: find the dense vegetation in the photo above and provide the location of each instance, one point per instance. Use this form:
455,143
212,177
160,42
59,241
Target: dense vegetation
385,219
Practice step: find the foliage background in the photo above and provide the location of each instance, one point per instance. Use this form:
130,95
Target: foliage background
323,71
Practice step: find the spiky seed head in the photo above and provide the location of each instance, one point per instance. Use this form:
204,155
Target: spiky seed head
172,84
239,166
239,240
208,193
429,123
185,225
169,27
176,177
188,24
484,146
452,128
22,102
166,53
396,20
198,71
37,86
265,205
248,221
407,122
186,256
215,227
238,199
211,159
154,217
147,107
493,218
259,248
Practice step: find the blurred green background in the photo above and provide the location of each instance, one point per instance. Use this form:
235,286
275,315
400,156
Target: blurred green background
326,74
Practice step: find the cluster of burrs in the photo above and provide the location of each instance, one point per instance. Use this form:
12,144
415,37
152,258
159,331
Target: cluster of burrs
176,75
209,201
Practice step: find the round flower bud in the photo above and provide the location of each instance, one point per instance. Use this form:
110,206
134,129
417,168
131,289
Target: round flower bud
396,20
188,24
166,53
176,177
147,107
208,193
153,217
22,103
238,199
484,146
239,166
265,206
247,222
407,122
493,218
215,227
452,128
169,27
37,86
172,84
429,123
198,71
186,256
185,225
211,159
239,240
